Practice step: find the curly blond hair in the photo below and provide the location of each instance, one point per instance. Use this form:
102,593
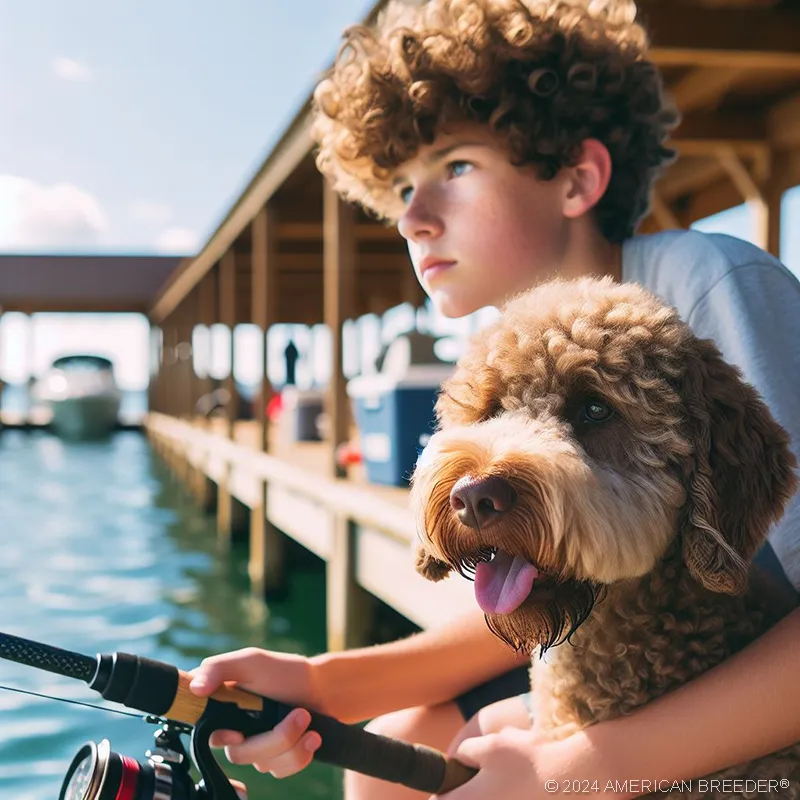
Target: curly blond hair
544,75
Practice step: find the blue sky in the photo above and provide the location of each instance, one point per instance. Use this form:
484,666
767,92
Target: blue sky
132,127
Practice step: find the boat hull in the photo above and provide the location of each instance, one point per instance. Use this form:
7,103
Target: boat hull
90,417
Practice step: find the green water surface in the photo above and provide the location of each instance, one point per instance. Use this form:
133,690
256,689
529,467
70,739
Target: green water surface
100,551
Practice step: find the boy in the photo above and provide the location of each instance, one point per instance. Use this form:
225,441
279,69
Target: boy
512,142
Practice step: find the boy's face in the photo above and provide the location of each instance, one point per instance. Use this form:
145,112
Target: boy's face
478,228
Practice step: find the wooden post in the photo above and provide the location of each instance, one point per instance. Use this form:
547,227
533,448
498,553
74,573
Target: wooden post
779,180
229,511
662,213
339,256
227,313
264,301
196,480
170,363
763,189
266,566
185,366
197,384
153,368
350,608
207,314
183,383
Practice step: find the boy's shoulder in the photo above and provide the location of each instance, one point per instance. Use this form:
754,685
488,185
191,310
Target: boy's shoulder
683,266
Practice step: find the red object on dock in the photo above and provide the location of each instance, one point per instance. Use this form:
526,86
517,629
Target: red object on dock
348,454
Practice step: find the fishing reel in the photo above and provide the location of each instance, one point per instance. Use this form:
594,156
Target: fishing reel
99,773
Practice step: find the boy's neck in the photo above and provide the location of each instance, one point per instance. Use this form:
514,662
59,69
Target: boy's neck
589,254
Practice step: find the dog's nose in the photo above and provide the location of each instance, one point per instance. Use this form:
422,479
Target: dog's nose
480,502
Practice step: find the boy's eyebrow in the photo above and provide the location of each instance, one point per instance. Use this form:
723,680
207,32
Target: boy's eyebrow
439,154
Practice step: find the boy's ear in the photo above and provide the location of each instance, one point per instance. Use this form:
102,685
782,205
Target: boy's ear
587,180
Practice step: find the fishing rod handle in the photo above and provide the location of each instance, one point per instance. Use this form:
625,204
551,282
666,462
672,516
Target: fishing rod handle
346,746
159,688
413,765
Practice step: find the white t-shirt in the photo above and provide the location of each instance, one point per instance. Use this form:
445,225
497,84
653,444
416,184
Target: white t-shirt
747,302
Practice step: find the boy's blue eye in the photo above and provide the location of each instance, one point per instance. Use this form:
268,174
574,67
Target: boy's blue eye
458,168
405,194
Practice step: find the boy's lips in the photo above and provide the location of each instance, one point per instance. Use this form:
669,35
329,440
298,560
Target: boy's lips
431,266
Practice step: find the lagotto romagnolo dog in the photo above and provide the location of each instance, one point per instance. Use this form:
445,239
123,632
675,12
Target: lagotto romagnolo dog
606,478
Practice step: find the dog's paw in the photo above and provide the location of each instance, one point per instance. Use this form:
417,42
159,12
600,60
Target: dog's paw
429,567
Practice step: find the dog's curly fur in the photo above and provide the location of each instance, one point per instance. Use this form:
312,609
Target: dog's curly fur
643,525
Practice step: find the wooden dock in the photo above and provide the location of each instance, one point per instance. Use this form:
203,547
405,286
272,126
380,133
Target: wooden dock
363,532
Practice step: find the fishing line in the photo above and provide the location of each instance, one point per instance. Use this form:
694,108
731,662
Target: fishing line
74,702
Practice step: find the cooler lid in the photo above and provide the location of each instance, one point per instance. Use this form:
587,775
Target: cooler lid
421,376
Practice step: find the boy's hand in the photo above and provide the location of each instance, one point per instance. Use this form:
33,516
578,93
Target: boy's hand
288,747
285,750
516,764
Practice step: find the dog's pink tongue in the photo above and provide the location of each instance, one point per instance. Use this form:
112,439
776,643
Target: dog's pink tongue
502,584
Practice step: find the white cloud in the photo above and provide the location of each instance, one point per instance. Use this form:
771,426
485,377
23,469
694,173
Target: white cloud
70,70
178,241
152,212
61,216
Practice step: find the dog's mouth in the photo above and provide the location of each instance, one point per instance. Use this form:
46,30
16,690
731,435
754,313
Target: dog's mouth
503,581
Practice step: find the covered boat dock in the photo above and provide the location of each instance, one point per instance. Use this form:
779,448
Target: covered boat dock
109,284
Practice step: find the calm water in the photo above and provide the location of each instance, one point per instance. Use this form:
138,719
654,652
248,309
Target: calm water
100,552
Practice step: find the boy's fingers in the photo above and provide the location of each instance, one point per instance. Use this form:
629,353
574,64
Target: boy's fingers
240,666
297,759
225,738
264,747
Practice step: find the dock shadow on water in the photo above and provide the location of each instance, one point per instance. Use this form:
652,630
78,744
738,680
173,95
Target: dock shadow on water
101,551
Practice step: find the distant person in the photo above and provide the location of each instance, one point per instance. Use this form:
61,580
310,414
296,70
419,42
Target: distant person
291,355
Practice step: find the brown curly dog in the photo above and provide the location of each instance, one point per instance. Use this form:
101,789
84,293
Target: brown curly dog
605,477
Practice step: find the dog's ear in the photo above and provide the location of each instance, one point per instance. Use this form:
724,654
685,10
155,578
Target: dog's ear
472,393
429,566
739,477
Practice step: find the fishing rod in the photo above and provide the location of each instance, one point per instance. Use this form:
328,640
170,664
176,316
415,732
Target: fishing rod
162,692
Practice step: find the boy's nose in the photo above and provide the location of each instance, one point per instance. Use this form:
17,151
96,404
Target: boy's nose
418,223
480,502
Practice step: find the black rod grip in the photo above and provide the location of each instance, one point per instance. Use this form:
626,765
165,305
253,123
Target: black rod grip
413,765
350,747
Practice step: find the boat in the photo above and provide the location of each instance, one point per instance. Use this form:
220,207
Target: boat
83,395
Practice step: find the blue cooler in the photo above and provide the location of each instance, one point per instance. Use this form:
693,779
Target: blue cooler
395,417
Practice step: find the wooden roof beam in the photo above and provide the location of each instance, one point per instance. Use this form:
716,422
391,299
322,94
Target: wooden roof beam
706,133
663,214
739,174
742,38
704,86
687,175
293,147
711,200
312,231
783,124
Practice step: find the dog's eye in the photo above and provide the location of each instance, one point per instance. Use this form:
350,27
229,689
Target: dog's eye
596,411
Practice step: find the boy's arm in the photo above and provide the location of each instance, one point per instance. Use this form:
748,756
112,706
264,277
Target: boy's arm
426,669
